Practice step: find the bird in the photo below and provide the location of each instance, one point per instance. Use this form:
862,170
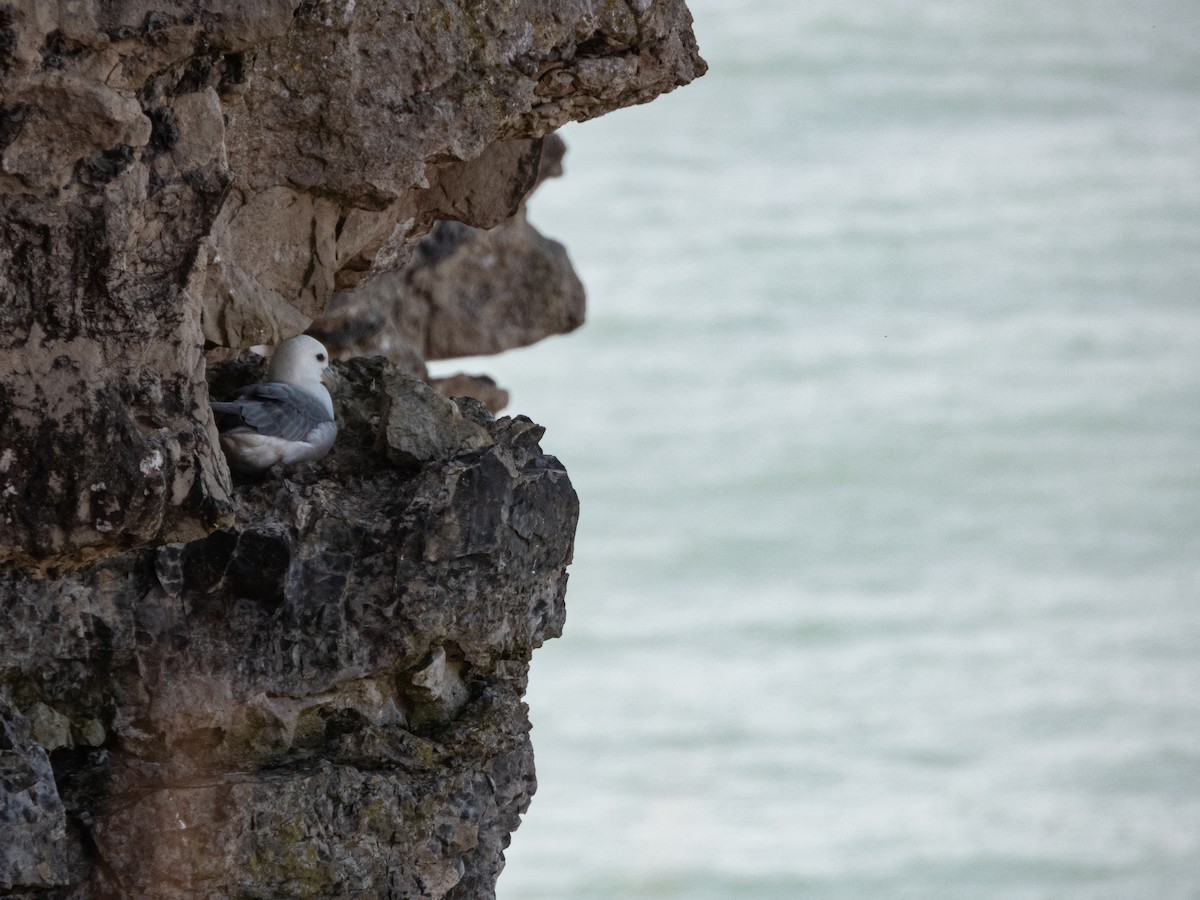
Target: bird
288,418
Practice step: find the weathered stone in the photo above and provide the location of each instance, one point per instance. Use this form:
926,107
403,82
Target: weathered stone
33,824
507,287
478,387
309,685
419,424
321,699
213,171
68,119
49,728
466,291
335,106
437,691
470,292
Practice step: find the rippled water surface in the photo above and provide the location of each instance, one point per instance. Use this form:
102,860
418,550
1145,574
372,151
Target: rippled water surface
886,426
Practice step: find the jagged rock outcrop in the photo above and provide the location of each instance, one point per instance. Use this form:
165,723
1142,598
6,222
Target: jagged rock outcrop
307,686
211,171
320,700
466,292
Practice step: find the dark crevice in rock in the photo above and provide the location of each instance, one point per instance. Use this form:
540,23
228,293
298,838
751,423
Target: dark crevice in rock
8,36
59,50
11,120
233,71
164,129
197,73
101,168
306,8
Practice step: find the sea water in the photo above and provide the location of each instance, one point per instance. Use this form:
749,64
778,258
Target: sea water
886,428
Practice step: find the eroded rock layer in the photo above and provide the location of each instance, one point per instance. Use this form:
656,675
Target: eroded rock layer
200,171
322,700
309,685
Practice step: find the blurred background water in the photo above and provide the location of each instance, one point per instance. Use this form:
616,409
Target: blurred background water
886,426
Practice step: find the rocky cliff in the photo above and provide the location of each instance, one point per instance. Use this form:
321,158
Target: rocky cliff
310,685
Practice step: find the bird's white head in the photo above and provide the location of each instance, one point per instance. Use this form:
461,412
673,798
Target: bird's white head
298,360
301,361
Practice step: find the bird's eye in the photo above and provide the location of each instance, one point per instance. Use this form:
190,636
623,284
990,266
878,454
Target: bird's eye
320,357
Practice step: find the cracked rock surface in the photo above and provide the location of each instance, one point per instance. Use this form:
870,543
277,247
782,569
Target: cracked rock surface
209,172
321,700
307,685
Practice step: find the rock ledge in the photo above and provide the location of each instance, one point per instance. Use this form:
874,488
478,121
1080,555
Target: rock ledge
322,699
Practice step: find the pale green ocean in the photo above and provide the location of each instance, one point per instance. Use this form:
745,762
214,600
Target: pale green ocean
886,428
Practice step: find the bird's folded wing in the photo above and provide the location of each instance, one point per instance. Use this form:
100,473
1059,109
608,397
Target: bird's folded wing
272,408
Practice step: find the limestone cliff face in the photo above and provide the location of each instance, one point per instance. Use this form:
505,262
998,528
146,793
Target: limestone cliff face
308,686
320,700
175,173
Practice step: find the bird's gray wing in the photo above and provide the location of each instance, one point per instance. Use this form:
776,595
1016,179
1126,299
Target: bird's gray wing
271,408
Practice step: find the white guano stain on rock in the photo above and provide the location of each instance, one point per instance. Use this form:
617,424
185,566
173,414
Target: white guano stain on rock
152,463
